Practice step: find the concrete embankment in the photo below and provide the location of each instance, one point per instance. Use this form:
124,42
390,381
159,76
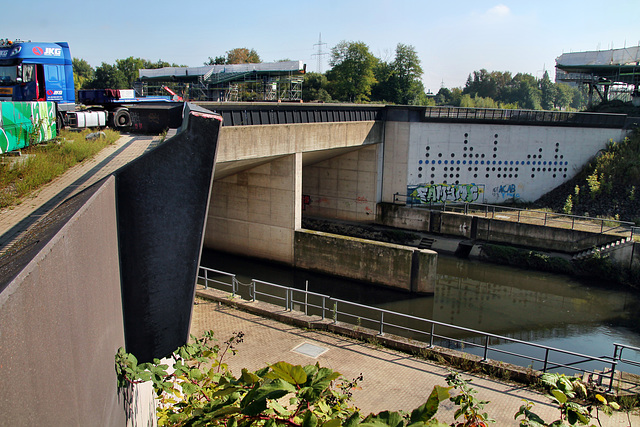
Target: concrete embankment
490,230
387,264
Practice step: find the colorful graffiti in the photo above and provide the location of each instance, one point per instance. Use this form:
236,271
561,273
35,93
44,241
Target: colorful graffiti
24,123
439,193
506,191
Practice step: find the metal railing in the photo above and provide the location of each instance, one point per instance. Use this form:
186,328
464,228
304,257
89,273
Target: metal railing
528,216
425,330
529,117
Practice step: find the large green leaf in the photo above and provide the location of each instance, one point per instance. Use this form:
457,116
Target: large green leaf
309,420
256,400
430,407
293,374
559,395
386,418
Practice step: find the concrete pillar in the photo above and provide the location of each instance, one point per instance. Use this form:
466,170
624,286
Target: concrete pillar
255,212
396,154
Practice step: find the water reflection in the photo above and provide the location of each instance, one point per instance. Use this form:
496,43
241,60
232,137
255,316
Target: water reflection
550,309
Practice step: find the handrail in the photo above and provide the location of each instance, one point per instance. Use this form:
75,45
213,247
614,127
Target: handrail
547,217
330,306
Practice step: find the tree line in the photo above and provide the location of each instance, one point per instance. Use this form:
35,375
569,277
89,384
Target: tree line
358,76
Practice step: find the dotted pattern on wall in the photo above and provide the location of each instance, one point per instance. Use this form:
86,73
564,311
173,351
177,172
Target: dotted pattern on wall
438,167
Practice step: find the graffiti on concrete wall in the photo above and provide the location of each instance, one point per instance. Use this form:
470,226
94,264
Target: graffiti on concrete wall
506,191
439,193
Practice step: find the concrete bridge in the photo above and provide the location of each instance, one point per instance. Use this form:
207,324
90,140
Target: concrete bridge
278,162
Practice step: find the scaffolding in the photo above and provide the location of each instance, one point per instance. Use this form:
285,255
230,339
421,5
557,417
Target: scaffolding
275,81
611,74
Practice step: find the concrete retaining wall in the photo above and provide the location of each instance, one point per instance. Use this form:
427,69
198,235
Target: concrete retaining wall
489,230
398,266
61,325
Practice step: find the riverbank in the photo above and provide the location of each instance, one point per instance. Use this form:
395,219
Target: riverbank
390,376
598,268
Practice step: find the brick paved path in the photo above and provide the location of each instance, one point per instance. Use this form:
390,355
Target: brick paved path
392,380
16,220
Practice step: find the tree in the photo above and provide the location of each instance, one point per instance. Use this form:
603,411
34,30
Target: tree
351,76
129,68
109,77
407,74
218,60
315,88
239,55
83,73
547,92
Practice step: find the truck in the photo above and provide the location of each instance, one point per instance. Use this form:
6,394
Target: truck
33,73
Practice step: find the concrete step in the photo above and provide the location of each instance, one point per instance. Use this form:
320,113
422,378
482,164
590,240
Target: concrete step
426,243
609,247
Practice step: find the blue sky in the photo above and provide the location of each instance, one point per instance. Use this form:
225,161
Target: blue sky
453,38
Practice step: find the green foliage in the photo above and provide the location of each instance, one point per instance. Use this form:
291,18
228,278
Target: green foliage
351,76
82,73
108,77
47,161
568,205
315,88
239,55
202,391
470,407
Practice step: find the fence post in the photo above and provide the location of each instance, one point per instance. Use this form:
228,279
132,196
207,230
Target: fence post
546,360
486,348
253,287
206,279
381,323
306,296
335,312
433,325
323,306
234,284
613,374
601,226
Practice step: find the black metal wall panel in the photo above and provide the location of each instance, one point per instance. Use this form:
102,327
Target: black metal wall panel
162,200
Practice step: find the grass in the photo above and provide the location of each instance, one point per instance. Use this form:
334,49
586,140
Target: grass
44,162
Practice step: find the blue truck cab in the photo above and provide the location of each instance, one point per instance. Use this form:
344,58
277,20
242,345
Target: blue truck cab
37,72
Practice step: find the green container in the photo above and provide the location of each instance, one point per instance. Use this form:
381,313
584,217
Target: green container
26,123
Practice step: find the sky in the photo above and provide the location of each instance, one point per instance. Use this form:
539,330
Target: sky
452,38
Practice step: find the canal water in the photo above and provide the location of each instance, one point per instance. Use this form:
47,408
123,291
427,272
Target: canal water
549,309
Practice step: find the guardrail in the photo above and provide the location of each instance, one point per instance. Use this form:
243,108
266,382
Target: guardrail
429,331
528,216
529,117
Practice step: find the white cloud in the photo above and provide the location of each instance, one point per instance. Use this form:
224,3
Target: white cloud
499,11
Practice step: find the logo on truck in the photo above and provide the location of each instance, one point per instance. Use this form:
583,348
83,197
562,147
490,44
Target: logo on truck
49,51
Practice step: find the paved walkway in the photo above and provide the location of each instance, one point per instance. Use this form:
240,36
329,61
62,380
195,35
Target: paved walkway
16,220
392,380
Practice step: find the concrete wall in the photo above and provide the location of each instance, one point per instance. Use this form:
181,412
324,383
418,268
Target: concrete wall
344,187
255,212
61,325
436,162
490,230
387,264
265,141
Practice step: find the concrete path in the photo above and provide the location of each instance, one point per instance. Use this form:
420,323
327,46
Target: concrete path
392,380
16,220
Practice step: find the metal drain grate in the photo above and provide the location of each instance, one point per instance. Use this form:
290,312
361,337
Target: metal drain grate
310,350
